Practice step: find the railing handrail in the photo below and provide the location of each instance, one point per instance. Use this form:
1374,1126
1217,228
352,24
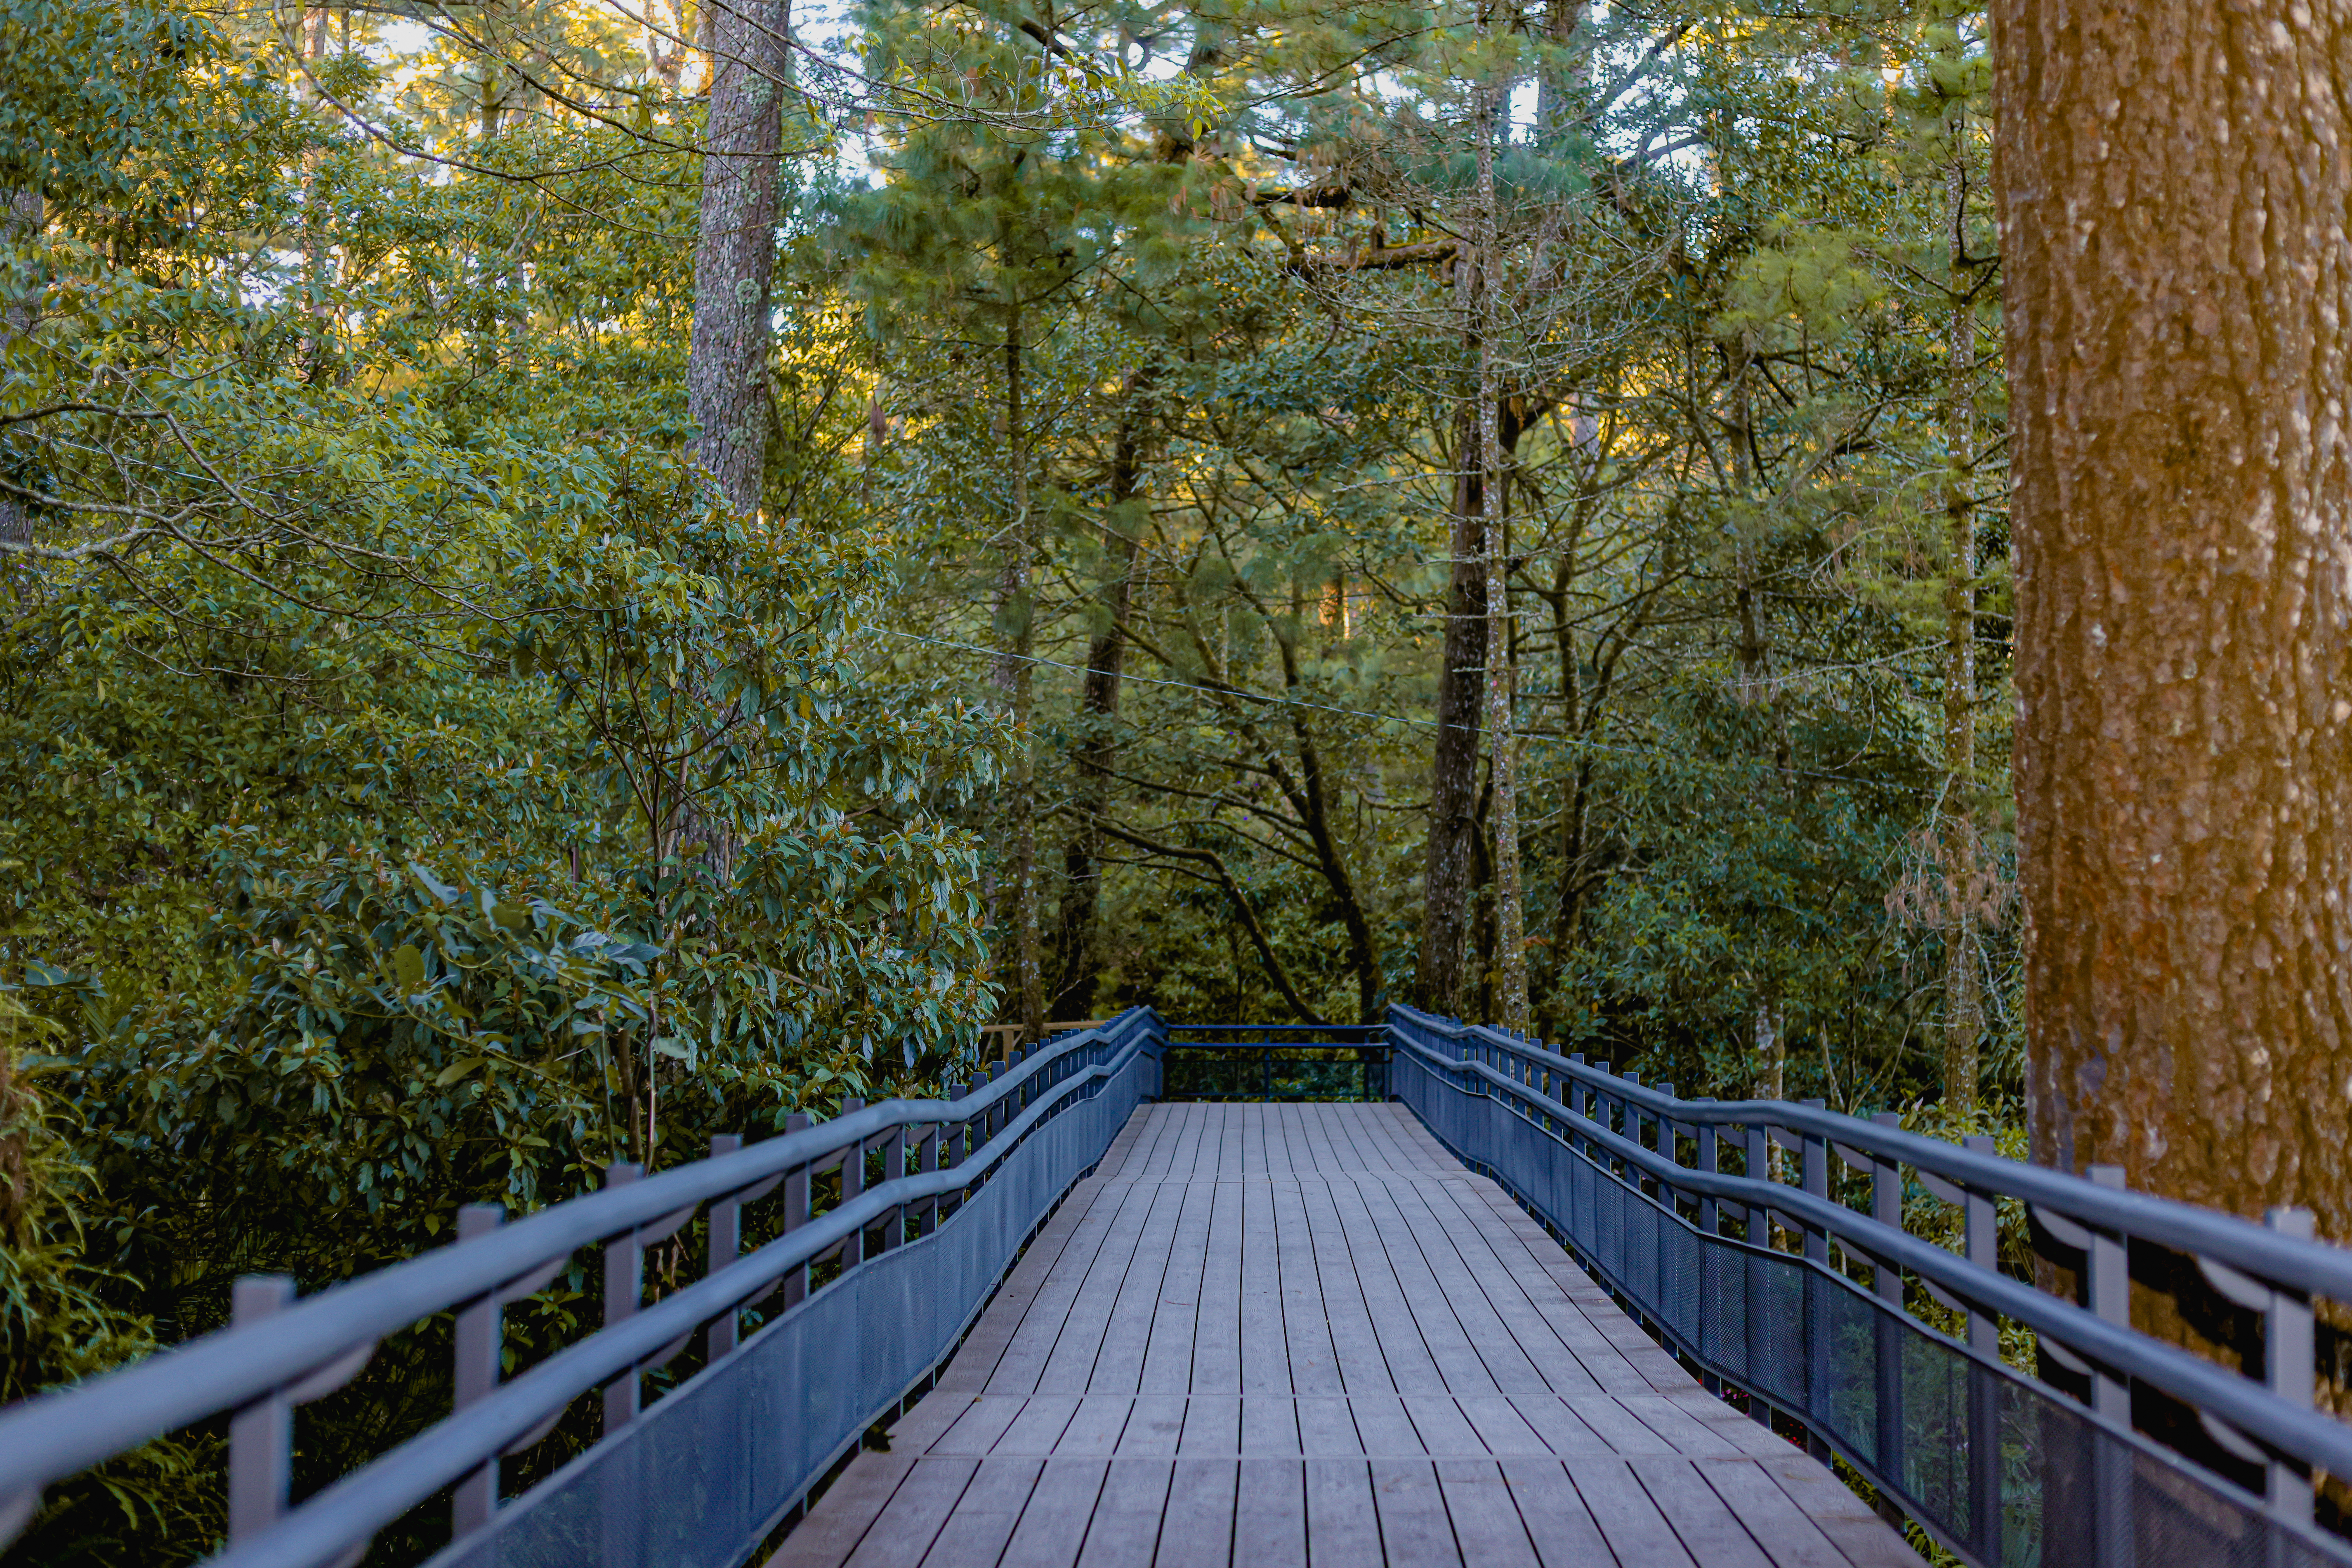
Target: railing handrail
362,1502
2320,1440
60,1433
2315,1267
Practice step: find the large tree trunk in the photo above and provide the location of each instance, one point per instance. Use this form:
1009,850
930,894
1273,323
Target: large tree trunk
734,248
2174,186
1080,949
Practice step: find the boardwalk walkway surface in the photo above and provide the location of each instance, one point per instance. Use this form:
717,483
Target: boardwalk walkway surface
1290,1334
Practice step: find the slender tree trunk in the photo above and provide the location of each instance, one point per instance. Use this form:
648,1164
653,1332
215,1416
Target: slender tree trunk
1014,679
1510,911
2174,183
1080,956
21,218
1963,951
1453,759
734,249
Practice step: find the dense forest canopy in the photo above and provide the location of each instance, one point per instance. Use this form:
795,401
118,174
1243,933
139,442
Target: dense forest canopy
573,577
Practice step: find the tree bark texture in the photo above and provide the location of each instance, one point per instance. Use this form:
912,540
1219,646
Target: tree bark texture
1080,954
21,219
734,248
1461,697
1963,948
2174,193
1511,960
1014,678
1453,759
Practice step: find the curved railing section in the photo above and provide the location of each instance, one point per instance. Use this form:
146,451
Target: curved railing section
702,1475
2124,1449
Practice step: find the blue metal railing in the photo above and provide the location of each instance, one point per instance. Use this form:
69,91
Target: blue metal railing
706,1473
1275,1062
1813,1308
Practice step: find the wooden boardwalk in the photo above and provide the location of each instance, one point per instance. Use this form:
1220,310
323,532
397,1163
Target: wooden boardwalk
1291,1334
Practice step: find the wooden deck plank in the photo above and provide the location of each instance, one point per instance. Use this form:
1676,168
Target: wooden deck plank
984,1516
849,1509
1118,1362
1413,1526
1343,1529
1176,1315
1486,1523
1629,1519
1155,1424
1270,1514
1216,1334
1703,1522
1327,1429
1125,1530
1069,1363
1199,1527
1266,1351
1789,1538
1061,1505
1306,1319
905,1529
1198,1364
1355,1339
1560,1526
1038,1428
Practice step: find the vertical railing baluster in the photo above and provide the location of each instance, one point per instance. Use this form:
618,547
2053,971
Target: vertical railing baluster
1710,1160
853,1184
797,1201
726,1243
475,1377
2109,1284
2289,1355
1886,1284
1815,1175
894,1165
926,1160
623,1286
1980,1225
1760,1235
261,1434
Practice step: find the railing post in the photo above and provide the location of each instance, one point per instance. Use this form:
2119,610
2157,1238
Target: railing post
796,1212
2288,1356
2110,1291
1886,1284
623,1285
1817,1183
894,1166
1710,1160
853,1184
261,1434
1981,1233
1816,1178
926,1160
726,1245
476,1376
1760,1235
